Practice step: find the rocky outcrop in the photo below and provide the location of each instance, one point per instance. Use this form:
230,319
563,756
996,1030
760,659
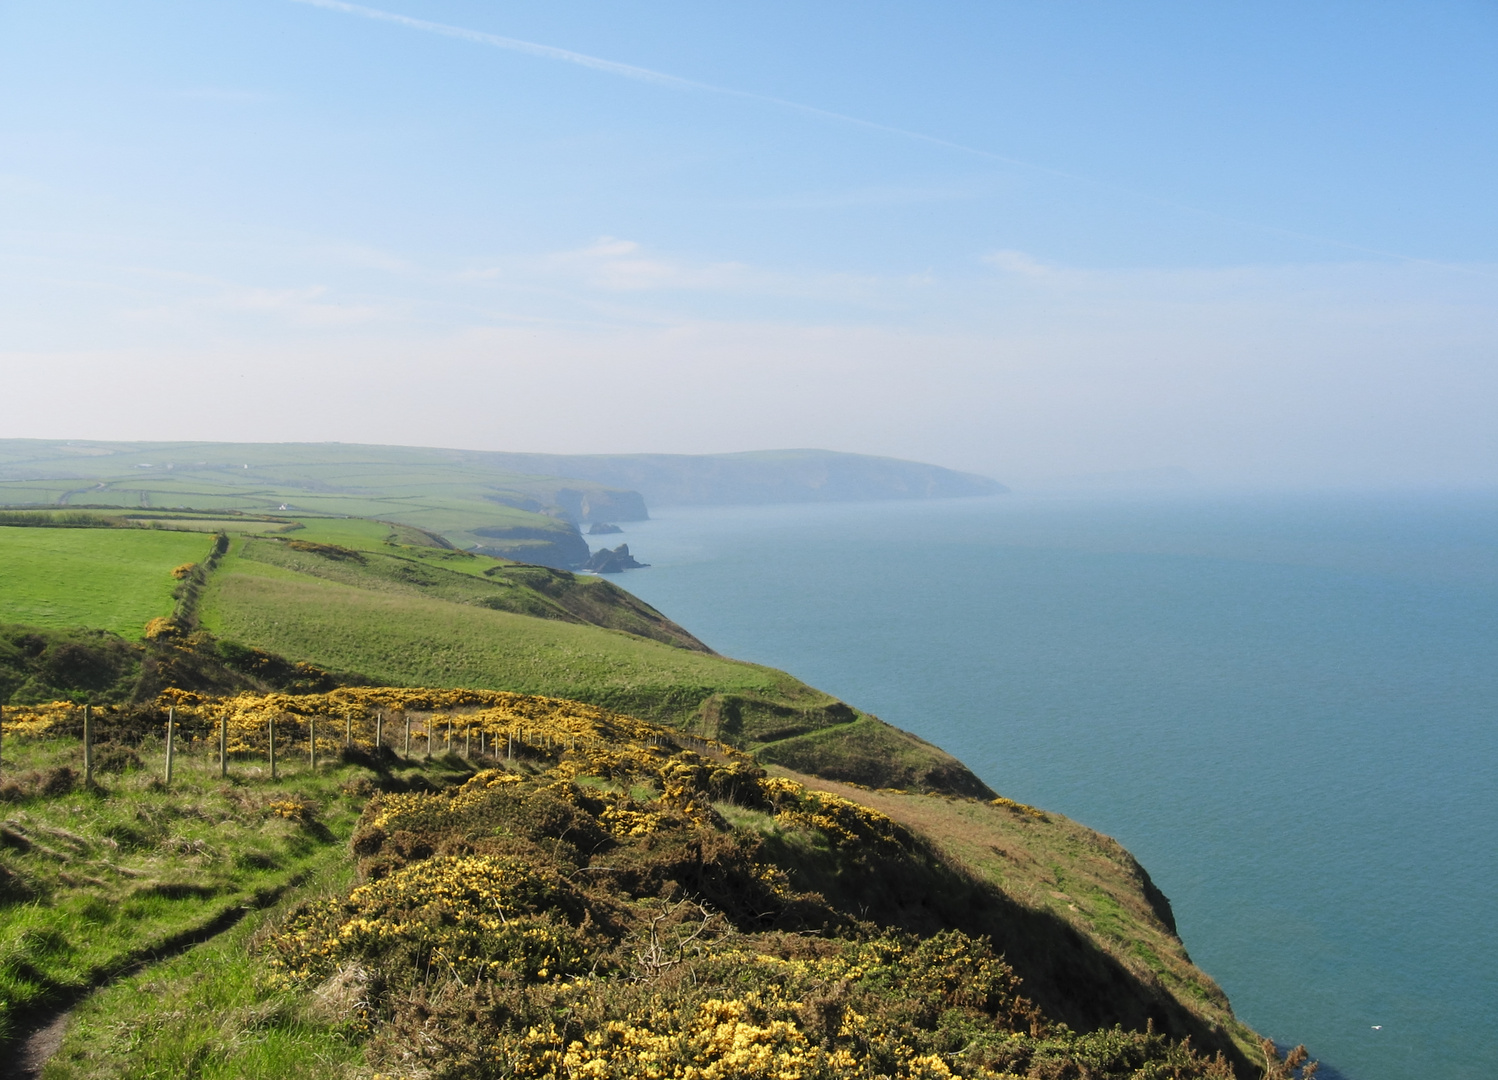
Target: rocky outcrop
604,561
601,528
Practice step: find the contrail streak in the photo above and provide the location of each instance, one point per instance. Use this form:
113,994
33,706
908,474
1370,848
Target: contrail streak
513,44
676,82
659,78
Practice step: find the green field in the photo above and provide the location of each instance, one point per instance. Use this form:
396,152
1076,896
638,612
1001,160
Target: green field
412,640
473,580
107,579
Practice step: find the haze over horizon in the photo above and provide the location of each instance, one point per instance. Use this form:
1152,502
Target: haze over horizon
1255,242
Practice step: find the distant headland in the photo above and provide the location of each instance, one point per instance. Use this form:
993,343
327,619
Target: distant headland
525,507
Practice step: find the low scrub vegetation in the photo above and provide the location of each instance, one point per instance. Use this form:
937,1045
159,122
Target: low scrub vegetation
469,883
592,909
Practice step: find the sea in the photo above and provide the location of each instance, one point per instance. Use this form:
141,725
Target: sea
1285,705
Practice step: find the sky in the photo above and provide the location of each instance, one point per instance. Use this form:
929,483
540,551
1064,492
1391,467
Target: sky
1254,242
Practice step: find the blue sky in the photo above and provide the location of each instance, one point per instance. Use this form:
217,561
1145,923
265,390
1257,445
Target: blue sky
1257,241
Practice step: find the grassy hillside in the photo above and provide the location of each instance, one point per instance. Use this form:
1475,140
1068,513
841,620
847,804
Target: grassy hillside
405,638
594,896
353,596
1054,872
461,577
113,580
343,615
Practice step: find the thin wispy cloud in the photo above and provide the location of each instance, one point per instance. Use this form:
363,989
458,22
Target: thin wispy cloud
1018,262
676,82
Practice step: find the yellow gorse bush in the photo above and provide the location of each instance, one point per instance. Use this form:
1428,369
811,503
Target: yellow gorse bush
763,1031
555,918
475,917
548,724
29,721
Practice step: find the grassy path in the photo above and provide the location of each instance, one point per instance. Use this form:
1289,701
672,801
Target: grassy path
102,887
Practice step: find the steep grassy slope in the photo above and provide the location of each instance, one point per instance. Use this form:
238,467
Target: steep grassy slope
113,580
1056,873
461,577
405,638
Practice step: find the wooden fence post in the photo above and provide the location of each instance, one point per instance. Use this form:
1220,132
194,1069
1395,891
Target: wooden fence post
2,724
449,734
407,752
348,729
379,731
171,739
468,742
312,742
223,746
270,723
88,747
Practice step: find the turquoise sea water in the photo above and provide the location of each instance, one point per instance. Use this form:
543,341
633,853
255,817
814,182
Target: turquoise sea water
1286,707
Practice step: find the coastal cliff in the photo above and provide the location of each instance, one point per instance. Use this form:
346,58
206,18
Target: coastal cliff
655,799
